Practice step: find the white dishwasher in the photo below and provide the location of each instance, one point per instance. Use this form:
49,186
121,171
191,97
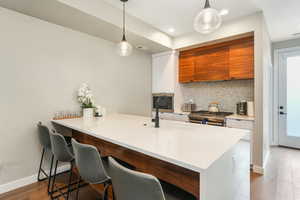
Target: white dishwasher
242,122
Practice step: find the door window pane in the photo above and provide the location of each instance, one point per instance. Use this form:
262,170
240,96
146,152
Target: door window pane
293,96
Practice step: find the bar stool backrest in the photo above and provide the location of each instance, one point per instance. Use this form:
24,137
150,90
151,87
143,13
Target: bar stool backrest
89,163
44,137
60,148
132,185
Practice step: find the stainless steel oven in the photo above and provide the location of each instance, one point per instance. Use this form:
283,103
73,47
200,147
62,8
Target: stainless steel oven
209,118
169,106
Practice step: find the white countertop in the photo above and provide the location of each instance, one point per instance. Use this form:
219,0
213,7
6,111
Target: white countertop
193,146
240,117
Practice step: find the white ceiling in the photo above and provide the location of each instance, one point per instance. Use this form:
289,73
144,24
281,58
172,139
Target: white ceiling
282,16
62,14
148,19
179,14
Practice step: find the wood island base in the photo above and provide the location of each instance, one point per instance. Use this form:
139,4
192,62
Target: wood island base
181,177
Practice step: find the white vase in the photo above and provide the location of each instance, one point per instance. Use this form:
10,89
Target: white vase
88,113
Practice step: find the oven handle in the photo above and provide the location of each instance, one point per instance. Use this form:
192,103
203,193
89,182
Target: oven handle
196,121
215,123
206,122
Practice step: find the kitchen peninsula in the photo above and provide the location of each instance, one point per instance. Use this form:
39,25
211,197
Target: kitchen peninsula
197,158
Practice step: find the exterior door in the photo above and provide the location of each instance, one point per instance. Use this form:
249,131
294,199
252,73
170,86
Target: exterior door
289,98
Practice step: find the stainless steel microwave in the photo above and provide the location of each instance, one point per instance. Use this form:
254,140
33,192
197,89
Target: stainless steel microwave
169,105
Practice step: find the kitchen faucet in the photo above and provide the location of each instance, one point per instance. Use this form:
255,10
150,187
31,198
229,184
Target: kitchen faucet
156,119
160,103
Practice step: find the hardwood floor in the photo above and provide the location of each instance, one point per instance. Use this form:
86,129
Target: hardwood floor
280,182
38,191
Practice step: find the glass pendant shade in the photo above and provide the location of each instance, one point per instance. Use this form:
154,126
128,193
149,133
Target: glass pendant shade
207,21
124,48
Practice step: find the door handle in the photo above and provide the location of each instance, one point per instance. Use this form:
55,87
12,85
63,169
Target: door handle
282,113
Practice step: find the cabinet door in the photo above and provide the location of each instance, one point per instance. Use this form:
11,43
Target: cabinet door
212,65
186,68
241,60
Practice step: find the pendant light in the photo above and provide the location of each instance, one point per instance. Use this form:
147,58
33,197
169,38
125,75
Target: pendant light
124,48
208,20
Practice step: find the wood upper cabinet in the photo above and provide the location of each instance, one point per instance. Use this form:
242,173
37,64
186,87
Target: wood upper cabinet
241,60
212,65
186,67
222,61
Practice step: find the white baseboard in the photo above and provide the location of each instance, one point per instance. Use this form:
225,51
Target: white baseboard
7,187
266,159
260,170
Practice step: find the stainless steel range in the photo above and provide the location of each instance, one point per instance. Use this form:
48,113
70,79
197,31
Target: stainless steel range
209,118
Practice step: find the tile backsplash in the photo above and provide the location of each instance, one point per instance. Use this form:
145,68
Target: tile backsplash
227,93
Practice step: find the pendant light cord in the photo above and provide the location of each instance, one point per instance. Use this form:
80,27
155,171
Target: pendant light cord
124,38
207,4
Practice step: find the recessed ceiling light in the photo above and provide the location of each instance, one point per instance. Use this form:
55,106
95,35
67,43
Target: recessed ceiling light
171,30
141,47
224,12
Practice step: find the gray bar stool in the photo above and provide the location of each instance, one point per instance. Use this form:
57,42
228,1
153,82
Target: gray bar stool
133,185
62,153
44,138
92,168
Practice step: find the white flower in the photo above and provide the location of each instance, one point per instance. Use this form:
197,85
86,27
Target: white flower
85,96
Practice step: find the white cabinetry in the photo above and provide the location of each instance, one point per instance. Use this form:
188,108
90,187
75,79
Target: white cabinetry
164,72
242,122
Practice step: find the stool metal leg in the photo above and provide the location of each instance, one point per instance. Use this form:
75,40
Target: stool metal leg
41,171
105,192
70,181
40,168
50,174
78,186
60,190
53,182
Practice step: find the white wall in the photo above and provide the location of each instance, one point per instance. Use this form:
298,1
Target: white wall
268,91
41,67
